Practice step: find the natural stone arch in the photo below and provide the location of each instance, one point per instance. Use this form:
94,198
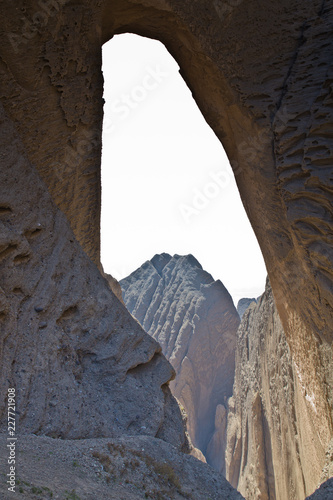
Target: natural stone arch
263,84
254,101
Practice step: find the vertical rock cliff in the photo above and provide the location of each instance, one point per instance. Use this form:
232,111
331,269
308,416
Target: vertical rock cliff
195,321
243,305
273,449
263,438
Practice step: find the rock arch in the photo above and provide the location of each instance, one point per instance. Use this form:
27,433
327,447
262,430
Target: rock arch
261,74
251,75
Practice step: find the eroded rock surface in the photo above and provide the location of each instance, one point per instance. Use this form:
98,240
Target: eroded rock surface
273,449
81,365
263,83
261,73
195,321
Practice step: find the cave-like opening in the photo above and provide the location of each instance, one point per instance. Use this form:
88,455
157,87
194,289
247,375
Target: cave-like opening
167,185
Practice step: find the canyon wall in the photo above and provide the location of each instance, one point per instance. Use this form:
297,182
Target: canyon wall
195,321
258,433
272,451
243,305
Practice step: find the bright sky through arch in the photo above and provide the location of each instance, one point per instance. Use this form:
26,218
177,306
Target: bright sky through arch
167,185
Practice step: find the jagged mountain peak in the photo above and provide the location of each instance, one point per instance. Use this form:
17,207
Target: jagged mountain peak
194,319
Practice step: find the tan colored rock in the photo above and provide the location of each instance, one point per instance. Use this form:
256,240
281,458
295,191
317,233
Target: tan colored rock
327,471
218,442
273,448
267,74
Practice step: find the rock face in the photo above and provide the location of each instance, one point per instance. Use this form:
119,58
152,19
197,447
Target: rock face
128,468
243,304
264,84
273,448
263,440
68,346
81,365
325,492
195,321
270,105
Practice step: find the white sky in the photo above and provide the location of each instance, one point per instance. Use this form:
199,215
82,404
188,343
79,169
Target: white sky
167,185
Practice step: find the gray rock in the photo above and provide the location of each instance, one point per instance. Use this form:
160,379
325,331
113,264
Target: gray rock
325,492
273,450
195,321
243,304
66,338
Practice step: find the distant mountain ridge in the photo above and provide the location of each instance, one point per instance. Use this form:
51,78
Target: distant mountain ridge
243,305
194,319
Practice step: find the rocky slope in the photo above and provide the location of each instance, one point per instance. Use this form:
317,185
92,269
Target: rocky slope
130,468
195,321
66,340
273,449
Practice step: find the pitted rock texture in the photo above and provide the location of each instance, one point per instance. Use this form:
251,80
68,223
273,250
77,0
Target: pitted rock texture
81,365
195,321
263,83
273,448
50,53
327,471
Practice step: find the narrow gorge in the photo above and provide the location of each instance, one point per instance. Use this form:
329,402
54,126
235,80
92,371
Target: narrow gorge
241,389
